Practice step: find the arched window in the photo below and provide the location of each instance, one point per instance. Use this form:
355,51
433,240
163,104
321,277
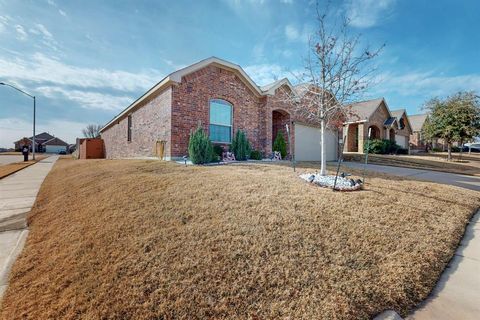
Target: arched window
220,121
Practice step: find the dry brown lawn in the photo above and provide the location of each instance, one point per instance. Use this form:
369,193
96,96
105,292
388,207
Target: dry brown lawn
138,239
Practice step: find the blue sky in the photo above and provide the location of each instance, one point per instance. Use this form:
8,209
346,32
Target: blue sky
87,60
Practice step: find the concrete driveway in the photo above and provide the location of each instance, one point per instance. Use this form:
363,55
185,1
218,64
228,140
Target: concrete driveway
6,159
459,180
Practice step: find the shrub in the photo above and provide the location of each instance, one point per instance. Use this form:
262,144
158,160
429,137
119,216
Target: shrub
436,149
378,146
240,146
218,150
200,149
402,151
256,155
280,145
455,149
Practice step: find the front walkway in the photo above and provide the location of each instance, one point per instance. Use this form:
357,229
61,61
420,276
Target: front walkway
457,293
17,196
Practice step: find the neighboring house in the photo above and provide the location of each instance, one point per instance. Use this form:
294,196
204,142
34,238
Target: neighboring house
40,139
44,142
417,141
220,97
55,145
374,116
404,130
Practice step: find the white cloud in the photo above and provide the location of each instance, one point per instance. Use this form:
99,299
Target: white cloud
294,33
87,99
43,30
3,23
42,69
264,74
63,13
52,3
426,84
367,13
13,129
291,32
286,1
21,33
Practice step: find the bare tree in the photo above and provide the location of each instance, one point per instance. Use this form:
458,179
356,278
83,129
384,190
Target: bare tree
92,131
337,71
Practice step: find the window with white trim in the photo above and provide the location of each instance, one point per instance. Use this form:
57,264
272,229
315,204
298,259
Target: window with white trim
220,121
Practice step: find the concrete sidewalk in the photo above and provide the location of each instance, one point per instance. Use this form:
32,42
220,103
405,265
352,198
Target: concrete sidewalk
457,293
17,196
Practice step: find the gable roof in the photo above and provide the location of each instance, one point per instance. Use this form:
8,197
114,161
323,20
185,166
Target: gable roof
176,77
270,88
363,110
417,121
44,136
399,114
56,141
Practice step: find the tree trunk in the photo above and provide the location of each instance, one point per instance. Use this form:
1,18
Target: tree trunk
449,147
323,160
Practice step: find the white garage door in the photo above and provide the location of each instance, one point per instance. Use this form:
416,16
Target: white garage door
307,143
55,149
401,141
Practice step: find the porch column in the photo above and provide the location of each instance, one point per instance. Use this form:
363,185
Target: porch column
361,136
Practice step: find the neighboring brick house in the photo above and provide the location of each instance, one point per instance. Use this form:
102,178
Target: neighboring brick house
404,128
221,97
374,115
417,140
40,139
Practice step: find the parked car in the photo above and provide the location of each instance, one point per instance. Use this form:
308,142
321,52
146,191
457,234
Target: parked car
474,146
62,152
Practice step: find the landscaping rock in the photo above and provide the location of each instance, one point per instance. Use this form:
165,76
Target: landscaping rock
343,184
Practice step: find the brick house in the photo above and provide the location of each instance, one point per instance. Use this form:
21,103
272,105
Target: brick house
374,115
220,97
40,139
416,139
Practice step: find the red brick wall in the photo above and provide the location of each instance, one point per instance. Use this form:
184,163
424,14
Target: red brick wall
150,122
191,106
172,114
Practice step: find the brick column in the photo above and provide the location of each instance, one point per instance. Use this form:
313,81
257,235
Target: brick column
361,136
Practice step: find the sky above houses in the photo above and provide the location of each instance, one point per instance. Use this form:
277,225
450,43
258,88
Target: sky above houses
87,60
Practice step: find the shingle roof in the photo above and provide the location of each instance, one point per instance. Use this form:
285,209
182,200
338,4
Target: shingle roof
417,121
397,113
364,109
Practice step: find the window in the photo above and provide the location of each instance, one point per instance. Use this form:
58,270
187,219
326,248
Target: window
402,123
129,128
220,121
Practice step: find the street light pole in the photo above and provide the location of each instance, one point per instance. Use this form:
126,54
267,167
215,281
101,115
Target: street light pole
34,102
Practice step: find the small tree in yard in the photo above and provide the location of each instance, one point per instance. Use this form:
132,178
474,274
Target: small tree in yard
336,73
280,145
200,149
92,131
240,146
456,118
